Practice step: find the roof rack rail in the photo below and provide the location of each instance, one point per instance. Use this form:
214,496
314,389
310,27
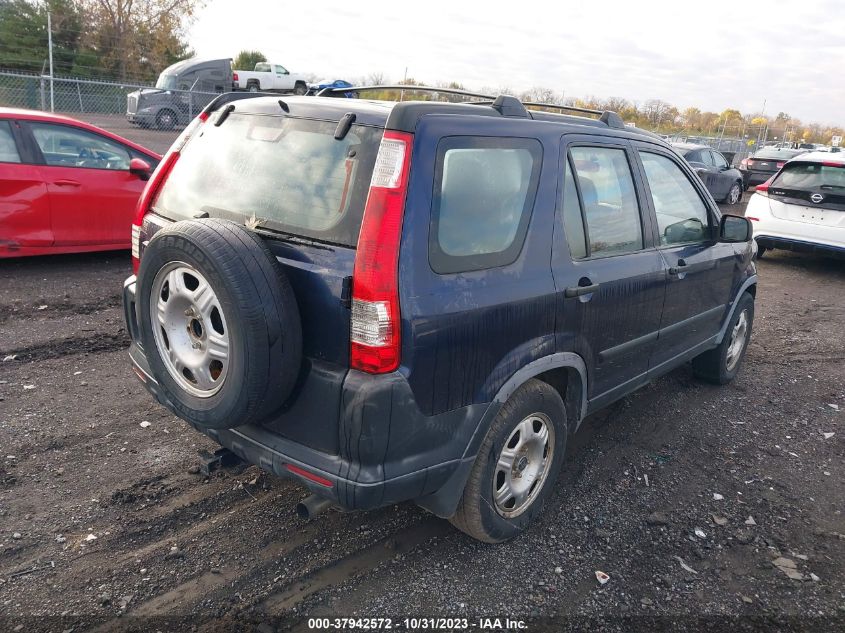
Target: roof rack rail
327,92
506,105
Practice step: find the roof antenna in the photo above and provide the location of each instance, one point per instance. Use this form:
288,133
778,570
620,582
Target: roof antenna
510,106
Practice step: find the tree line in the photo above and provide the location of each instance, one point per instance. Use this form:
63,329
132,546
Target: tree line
126,40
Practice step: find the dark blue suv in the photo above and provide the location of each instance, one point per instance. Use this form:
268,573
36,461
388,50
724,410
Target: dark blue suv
422,301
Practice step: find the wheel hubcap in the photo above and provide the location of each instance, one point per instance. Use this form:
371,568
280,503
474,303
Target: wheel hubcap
735,194
523,465
739,334
189,329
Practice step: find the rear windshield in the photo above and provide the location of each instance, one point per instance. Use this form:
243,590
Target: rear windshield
811,176
278,173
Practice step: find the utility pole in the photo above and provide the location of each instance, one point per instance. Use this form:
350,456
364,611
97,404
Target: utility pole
50,47
404,81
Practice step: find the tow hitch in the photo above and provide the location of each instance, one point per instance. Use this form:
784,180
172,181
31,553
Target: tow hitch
221,458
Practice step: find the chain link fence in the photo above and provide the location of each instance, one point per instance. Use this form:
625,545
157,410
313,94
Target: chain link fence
138,112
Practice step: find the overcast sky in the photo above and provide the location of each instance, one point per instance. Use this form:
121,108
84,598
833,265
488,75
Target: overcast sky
710,53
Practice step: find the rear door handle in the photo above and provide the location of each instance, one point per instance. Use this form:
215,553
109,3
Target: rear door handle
580,291
67,183
680,268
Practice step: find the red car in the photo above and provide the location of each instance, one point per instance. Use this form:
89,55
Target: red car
66,186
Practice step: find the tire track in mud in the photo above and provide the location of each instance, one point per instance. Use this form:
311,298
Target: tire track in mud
219,585
355,565
196,589
71,346
18,311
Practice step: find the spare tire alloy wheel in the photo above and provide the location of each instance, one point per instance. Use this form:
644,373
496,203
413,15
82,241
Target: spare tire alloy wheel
219,323
191,334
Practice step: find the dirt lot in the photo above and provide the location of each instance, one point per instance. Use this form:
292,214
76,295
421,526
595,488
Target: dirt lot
105,522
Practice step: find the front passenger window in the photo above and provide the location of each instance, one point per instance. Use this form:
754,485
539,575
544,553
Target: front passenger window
681,214
65,146
719,160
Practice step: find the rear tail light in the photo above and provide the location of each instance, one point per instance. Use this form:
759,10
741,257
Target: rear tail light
374,331
781,163
136,243
743,164
150,193
763,189
234,76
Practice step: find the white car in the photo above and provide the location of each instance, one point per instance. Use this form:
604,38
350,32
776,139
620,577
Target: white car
802,207
269,77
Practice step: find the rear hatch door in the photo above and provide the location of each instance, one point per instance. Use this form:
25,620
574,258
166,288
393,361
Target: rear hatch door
291,180
809,192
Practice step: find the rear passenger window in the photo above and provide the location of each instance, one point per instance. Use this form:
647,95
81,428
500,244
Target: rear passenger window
483,196
608,199
573,221
681,214
8,149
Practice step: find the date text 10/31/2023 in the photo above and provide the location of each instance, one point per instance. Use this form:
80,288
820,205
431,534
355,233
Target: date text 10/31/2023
417,624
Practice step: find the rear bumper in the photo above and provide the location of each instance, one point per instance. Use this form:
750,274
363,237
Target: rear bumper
774,232
389,452
789,244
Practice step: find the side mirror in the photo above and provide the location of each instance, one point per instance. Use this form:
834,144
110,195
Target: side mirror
140,168
734,228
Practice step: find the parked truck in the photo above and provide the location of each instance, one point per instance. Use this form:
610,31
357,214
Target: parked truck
269,77
181,92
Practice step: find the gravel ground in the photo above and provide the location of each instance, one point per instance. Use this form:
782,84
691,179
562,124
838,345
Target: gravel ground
707,507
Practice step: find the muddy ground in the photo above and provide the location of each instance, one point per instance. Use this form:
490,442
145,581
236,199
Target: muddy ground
106,523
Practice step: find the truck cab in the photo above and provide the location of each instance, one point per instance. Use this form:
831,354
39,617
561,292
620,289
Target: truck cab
180,93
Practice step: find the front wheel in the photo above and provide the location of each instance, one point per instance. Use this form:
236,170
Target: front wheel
721,365
166,119
516,467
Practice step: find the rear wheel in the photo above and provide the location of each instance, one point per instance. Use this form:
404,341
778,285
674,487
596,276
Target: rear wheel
516,466
252,86
300,88
734,193
721,365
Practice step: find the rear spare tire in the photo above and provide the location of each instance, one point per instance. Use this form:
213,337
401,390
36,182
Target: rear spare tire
219,323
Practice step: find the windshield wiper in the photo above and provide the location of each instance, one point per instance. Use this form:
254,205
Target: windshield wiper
832,187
